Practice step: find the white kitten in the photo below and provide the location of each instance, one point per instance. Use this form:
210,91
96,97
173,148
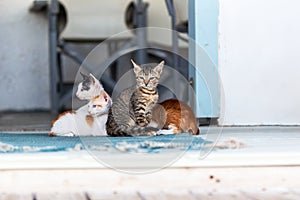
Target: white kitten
90,122
89,87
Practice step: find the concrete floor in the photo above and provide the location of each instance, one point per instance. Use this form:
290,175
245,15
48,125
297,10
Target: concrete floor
25,121
266,166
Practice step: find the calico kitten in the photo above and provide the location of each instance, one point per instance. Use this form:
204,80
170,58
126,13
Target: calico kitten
82,122
131,112
89,87
174,115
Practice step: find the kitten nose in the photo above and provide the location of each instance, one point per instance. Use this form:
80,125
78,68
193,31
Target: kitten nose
146,82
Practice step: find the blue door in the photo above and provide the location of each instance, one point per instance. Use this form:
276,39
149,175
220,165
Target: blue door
203,57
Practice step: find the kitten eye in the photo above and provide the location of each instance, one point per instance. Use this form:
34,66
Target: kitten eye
151,78
94,106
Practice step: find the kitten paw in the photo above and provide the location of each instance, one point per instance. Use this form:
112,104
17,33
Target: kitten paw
147,131
66,134
142,124
165,132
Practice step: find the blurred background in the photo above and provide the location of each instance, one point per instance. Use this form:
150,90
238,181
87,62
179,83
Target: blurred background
235,62
242,69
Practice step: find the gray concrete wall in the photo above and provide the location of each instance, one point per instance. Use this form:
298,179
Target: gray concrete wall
24,69
24,57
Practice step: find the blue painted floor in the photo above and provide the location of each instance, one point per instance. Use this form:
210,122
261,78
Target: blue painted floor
34,142
28,132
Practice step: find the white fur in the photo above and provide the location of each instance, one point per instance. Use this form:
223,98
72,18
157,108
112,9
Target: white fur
165,132
168,131
94,90
76,125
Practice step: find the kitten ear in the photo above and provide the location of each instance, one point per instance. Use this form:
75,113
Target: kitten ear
105,95
159,67
85,77
93,78
136,68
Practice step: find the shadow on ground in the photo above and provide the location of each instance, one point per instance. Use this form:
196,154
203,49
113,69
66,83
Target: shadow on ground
25,121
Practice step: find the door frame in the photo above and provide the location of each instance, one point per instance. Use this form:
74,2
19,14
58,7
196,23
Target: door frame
203,57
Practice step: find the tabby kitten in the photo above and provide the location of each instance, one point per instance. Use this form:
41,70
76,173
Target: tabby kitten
174,115
131,112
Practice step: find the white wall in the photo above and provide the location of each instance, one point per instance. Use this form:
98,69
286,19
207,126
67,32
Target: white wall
259,64
23,57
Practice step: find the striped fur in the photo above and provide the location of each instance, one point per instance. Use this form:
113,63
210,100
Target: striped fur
132,110
143,101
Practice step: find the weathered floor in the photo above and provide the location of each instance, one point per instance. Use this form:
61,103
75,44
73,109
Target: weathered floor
246,163
172,183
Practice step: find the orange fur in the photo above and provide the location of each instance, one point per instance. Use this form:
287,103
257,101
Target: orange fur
89,120
96,98
102,94
51,134
175,114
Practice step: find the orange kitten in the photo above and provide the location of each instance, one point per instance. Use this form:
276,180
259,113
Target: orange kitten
175,115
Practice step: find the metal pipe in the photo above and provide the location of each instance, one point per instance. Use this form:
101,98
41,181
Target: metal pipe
141,32
53,38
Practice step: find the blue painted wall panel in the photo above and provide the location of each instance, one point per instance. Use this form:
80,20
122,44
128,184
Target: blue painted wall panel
203,55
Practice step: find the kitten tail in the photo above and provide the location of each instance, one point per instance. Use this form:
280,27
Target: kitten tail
52,134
